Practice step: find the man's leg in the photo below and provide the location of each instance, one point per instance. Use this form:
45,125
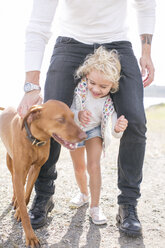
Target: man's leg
44,188
68,54
129,102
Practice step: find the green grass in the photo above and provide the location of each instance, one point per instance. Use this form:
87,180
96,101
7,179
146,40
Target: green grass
156,112
156,117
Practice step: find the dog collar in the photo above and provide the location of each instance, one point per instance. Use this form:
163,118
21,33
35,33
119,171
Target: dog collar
33,140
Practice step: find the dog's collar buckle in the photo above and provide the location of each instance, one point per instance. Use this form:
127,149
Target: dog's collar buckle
38,143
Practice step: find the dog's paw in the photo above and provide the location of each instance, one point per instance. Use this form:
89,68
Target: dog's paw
32,242
17,215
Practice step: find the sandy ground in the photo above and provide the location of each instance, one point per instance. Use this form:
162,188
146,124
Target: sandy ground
68,228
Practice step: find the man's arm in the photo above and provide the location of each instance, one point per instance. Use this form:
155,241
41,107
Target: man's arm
147,67
146,24
32,97
38,33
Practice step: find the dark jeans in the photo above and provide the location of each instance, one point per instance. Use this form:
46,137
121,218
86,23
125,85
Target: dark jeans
68,54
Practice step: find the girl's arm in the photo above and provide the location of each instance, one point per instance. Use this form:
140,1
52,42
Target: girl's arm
119,125
114,120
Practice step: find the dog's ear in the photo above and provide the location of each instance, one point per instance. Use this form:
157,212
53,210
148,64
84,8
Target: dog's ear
33,114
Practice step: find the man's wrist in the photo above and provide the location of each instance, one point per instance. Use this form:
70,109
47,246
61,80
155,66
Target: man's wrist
28,87
33,77
146,40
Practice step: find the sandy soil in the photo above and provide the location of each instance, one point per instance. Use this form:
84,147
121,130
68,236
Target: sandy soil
68,228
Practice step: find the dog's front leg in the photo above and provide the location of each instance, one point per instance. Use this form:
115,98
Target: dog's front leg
9,163
32,177
18,179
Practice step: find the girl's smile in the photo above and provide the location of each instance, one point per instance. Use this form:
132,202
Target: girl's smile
98,85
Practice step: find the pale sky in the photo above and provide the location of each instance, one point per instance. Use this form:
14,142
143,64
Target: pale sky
13,20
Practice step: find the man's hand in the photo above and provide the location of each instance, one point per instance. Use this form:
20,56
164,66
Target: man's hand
121,124
29,99
84,117
147,68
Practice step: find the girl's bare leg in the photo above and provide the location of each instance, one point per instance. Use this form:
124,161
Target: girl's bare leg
94,149
78,159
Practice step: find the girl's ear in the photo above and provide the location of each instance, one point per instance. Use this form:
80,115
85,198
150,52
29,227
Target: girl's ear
33,114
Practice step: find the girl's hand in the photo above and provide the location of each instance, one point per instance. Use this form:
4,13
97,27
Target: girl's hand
84,117
121,124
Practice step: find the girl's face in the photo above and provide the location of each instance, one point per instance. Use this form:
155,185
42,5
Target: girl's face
98,85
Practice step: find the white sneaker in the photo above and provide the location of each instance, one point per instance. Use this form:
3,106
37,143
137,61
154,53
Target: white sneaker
97,216
79,200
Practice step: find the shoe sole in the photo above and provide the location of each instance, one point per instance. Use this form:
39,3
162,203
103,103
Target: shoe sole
103,222
44,222
129,233
98,223
73,205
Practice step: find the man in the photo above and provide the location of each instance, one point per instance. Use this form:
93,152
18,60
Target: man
83,27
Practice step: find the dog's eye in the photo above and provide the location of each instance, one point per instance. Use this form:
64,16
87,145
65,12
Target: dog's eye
61,120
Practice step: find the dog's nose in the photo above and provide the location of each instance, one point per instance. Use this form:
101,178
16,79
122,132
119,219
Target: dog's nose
82,135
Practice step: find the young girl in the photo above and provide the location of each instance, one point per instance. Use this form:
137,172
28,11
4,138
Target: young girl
93,108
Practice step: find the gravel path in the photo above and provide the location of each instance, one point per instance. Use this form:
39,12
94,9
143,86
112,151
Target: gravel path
68,228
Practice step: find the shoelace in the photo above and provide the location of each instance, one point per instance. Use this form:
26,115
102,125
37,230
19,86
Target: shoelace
37,206
81,197
132,213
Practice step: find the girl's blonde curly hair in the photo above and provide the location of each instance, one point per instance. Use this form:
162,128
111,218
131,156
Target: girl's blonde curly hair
104,61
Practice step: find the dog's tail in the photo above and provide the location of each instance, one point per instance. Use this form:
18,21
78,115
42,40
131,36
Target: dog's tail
2,108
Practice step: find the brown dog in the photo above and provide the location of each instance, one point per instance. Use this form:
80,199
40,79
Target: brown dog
27,142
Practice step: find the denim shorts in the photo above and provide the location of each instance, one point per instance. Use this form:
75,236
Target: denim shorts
92,133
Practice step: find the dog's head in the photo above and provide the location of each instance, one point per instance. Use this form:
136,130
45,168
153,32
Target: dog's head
55,119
